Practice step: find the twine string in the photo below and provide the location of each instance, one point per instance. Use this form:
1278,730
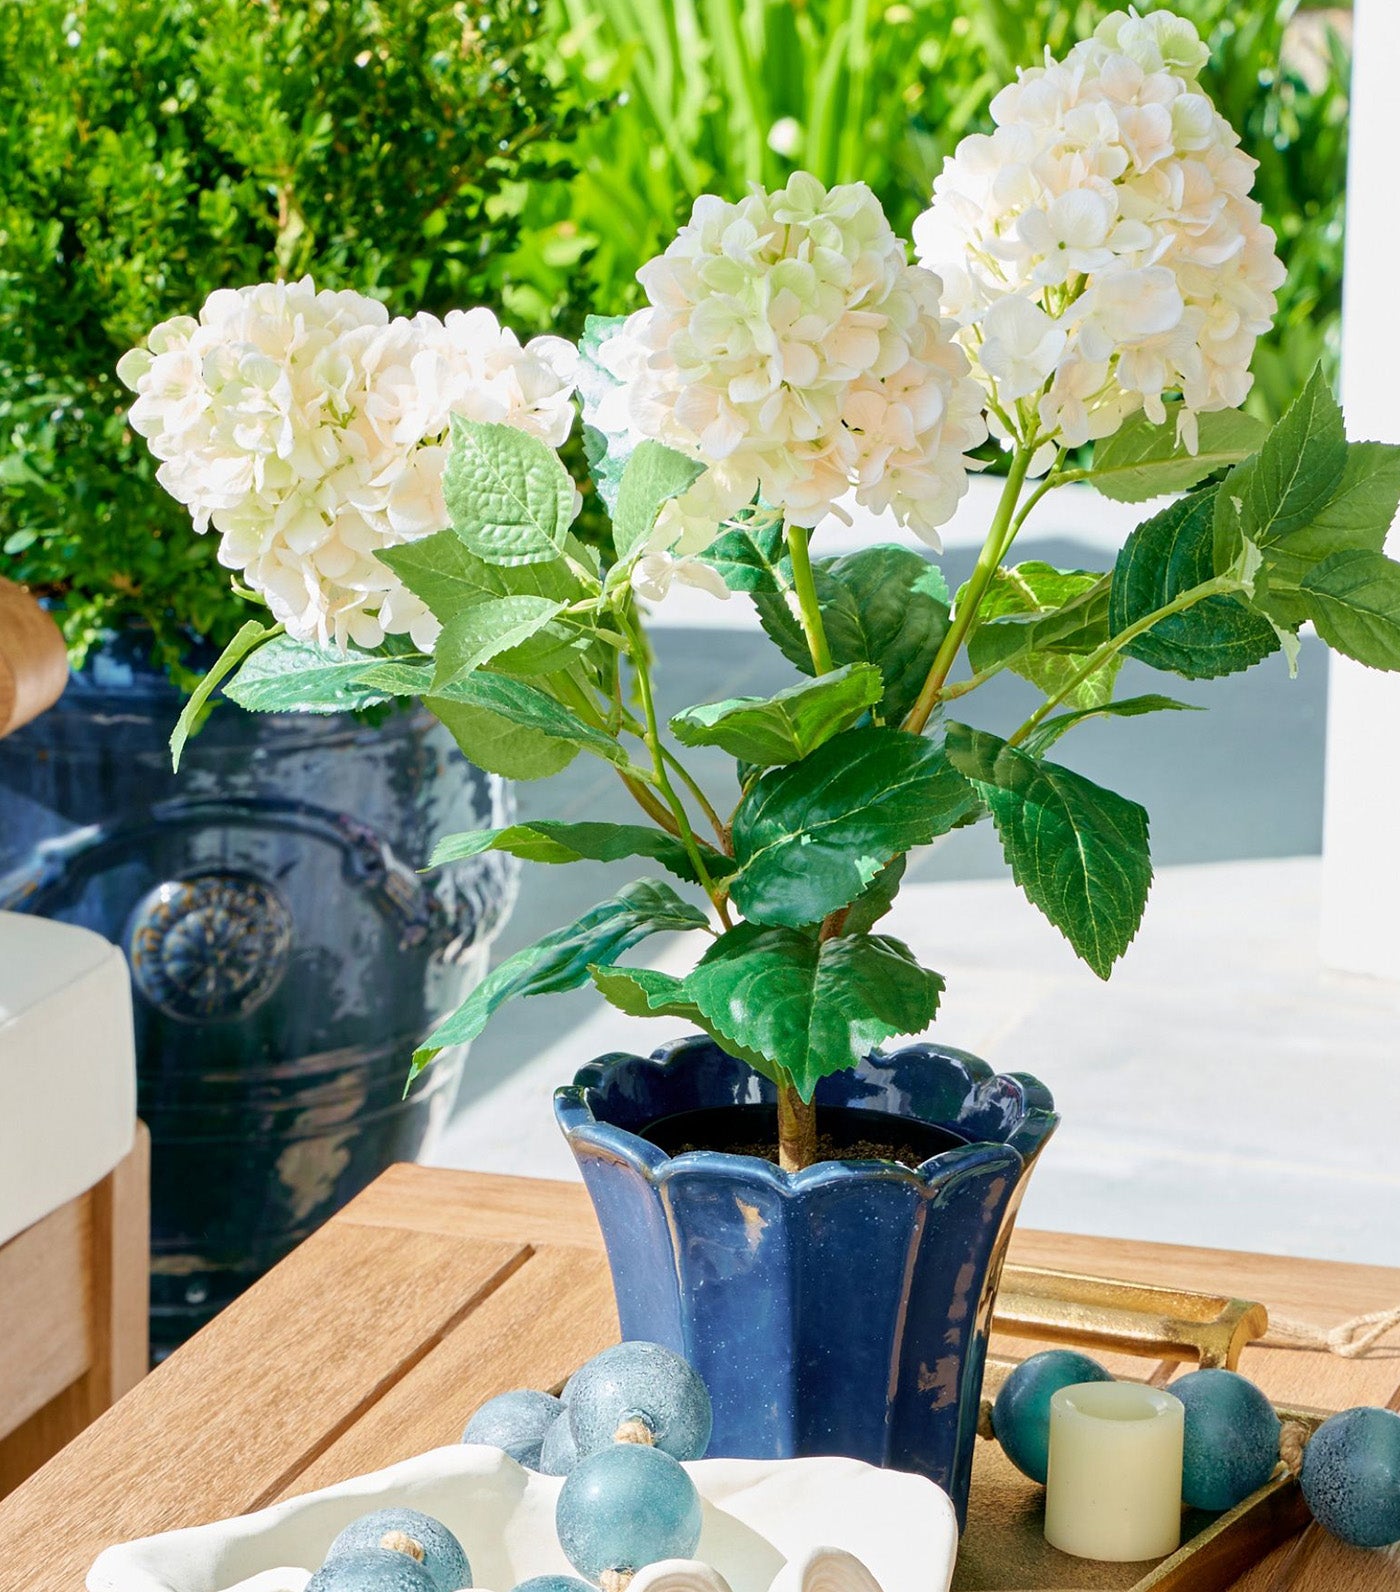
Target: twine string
1293,1439
1350,1340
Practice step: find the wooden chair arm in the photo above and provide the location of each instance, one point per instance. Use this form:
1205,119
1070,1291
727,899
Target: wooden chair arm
33,659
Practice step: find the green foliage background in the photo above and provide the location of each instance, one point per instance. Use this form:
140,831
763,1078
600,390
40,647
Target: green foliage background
881,91
154,150
424,151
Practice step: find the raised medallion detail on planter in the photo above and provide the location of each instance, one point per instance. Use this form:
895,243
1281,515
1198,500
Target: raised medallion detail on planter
211,947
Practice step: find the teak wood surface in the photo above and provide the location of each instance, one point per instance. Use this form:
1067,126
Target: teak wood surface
73,1306
435,1290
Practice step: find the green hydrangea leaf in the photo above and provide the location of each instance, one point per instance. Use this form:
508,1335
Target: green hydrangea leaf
443,571
509,498
555,841
499,744
811,1006
1164,557
1144,460
1044,737
1358,516
560,961
474,636
752,557
884,605
876,899
810,837
1353,598
1041,622
522,705
249,637
769,731
1079,852
653,475
1291,479
644,992
290,676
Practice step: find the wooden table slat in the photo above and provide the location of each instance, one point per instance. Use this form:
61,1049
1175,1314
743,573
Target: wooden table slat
247,1405
538,1327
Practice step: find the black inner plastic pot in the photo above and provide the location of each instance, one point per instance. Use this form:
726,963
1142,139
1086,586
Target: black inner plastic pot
843,1134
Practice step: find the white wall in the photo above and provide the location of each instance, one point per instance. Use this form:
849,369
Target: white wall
1361,834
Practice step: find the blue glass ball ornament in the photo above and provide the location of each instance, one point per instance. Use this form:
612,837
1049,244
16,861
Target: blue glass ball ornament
396,1531
640,1382
559,1451
1231,1439
626,1507
1351,1477
372,1570
515,1422
1021,1414
553,1583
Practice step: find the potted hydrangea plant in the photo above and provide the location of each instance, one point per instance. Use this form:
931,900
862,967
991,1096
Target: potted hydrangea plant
818,1224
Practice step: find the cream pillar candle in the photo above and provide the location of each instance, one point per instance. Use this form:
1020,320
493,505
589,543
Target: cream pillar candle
1114,1486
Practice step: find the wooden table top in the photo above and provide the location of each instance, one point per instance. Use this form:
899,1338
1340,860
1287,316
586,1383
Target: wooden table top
435,1290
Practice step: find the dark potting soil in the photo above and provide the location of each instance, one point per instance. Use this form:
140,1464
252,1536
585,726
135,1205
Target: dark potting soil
844,1134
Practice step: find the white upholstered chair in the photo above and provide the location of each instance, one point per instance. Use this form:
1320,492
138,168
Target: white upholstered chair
74,1178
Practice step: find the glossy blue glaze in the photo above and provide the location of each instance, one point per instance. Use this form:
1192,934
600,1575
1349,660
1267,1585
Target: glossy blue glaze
843,1309
285,953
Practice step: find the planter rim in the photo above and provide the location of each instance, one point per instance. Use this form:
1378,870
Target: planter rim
1034,1123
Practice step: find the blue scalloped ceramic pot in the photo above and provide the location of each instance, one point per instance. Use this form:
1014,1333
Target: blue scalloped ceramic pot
843,1309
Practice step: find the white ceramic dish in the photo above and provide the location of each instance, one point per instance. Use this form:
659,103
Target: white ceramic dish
762,1518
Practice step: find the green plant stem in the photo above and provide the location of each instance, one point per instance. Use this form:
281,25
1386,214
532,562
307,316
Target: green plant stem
661,778
647,800
994,549
1220,585
1055,477
810,612
697,790
572,692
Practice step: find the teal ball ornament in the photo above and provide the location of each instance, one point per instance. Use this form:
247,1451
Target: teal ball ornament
372,1570
414,1537
624,1508
559,1451
1230,1446
1351,1477
516,1422
1021,1414
640,1382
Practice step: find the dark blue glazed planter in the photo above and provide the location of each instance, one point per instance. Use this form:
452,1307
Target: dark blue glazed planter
285,954
843,1309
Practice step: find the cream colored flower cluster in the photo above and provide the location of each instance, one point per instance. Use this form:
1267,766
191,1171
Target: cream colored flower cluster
310,430
790,345
1100,247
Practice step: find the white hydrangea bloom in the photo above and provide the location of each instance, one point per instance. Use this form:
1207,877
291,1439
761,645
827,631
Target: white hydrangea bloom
789,344
1100,248
310,430
654,574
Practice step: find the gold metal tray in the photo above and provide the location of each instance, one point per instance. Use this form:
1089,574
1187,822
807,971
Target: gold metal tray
1004,1547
